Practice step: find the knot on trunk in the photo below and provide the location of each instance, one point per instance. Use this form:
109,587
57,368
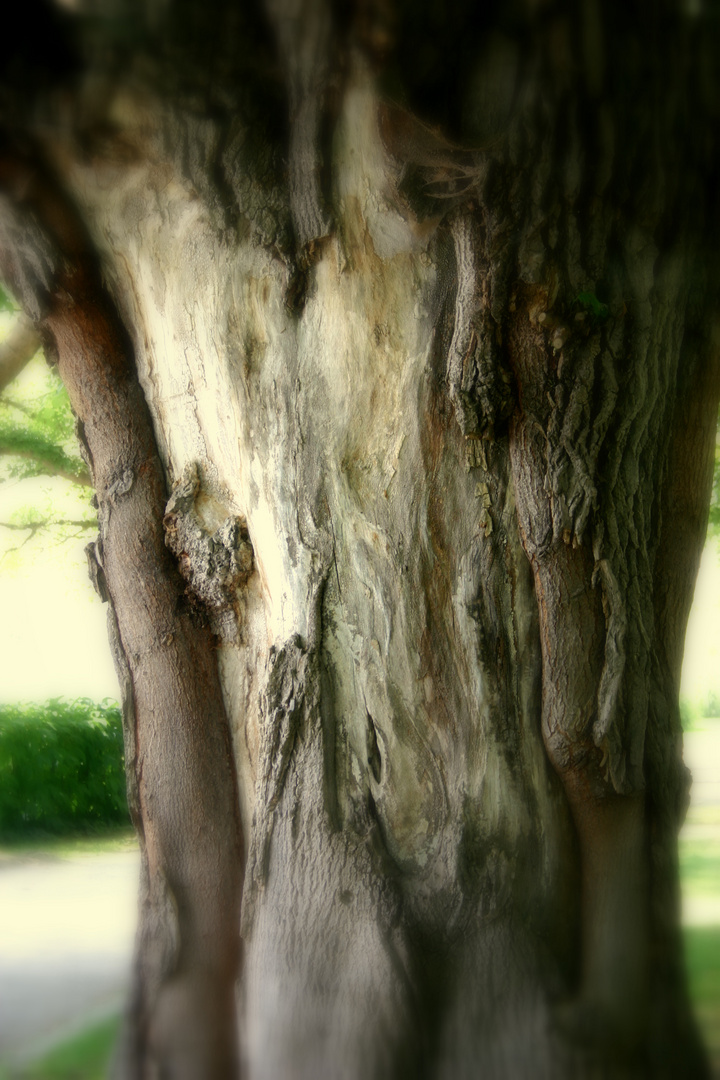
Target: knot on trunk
215,564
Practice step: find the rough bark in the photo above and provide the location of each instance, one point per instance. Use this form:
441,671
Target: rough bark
423,315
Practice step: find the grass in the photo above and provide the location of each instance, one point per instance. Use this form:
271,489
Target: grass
702,952
700,866
85,1057
700,875
699,850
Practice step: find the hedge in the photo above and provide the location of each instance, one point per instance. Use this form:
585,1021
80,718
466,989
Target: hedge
61,767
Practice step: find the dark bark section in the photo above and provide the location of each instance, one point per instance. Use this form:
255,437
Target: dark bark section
304,35
584,269
182,781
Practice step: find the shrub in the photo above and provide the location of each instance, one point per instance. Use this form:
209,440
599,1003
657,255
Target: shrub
689,713
61,767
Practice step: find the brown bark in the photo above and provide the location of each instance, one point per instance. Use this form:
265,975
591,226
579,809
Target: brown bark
182,1020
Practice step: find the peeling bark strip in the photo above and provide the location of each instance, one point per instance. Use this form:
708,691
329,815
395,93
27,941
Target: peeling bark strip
183,1017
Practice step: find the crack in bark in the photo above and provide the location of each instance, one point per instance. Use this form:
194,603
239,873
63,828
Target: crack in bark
290,699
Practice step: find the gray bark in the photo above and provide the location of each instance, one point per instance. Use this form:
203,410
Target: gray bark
430,422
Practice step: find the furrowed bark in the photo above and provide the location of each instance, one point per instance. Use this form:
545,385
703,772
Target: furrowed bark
610,826
588,445
182,1019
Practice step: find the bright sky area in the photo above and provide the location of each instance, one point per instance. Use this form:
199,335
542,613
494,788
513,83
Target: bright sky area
53,638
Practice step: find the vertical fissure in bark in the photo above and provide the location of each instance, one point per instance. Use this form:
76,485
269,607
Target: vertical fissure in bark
290,700
182,780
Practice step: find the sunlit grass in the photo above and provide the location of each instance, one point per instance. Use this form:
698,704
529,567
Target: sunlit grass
699,851
85,1057
702,951
700,866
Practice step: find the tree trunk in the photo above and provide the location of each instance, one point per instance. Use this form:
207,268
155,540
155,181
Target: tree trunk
401,330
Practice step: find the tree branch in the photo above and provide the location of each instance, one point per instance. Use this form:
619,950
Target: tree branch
33,526
17,349
48,466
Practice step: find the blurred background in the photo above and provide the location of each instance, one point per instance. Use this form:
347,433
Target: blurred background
68,857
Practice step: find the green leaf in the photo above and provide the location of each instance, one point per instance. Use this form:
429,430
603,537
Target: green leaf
37,439
6,302
39,455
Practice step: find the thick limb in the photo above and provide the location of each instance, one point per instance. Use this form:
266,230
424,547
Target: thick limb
609,826
183,1016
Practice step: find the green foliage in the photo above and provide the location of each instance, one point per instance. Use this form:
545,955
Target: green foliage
61,767
710,704
37,439
37,428
702,953
35,454
6,301
689,713
84,1057
714,519
692,712
589,303
103,840
700,864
